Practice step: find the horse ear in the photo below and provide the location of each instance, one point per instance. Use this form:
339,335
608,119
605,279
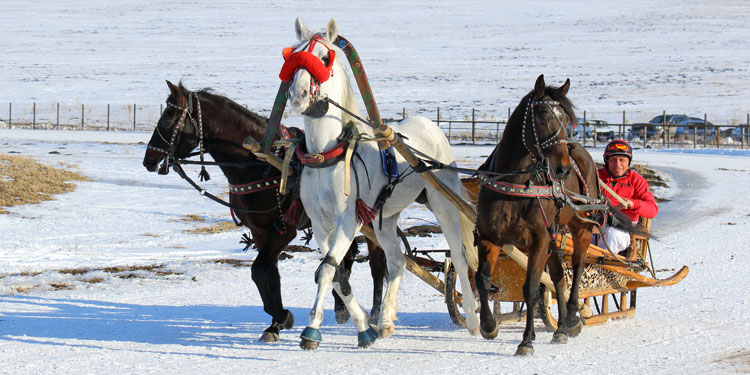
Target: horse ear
332,31
301,30
539,87
565,87
174,89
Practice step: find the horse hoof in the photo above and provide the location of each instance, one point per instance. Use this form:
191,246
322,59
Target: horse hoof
308,345
311,338
559,338
475,331
269,336
386,331
288,321
489,334
525,350
366,338
575,329
342,316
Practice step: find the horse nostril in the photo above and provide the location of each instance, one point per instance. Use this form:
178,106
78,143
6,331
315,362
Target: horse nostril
562,171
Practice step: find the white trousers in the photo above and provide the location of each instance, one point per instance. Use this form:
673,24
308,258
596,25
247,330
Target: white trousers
617,239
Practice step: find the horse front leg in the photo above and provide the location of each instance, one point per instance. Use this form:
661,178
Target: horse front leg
557,274
572,324
335,247
488,253
537,260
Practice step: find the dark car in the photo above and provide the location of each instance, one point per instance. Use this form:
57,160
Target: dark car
687,128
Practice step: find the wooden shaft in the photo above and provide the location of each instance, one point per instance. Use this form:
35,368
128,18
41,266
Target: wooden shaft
612,192
411,265
253,146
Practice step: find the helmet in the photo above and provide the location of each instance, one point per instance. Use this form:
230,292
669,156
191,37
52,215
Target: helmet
618,147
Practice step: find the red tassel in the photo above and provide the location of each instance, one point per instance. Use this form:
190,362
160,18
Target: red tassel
365,214
292,214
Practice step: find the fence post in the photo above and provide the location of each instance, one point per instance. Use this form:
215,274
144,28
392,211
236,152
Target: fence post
81,116
403,113
584,129
473,127
33,116
10,113
107,116
57,123
449,131
134,116
622,128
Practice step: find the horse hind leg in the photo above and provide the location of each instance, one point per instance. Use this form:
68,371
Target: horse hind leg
342,313
488,254
378,272
459,232
265,275
395,264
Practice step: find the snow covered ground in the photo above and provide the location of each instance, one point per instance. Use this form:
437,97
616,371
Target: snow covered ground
194,316
203,317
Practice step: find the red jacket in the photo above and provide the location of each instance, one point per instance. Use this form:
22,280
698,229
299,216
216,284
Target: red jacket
634,187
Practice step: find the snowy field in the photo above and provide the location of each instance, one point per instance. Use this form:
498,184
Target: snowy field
195,316
203,317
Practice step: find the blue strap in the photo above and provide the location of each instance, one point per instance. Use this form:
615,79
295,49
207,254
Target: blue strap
388,161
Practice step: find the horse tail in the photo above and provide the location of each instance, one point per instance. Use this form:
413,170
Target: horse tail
471,253
621,221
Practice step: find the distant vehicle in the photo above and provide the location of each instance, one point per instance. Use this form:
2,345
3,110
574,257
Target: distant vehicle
694,125
601,128
736,133
654,127
603,131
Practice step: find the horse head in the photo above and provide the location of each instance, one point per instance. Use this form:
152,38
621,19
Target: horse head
547,114
318,74
176,134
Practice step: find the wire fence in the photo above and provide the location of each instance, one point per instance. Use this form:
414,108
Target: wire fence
470,130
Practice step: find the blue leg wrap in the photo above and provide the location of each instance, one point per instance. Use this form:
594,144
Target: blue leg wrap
311,334
367,338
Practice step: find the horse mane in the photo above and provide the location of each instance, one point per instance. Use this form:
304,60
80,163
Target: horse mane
350,100
251,120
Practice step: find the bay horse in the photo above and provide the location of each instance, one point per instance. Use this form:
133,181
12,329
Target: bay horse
529,198
340,196
205,120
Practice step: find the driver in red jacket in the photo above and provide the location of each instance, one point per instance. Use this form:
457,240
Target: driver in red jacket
629,185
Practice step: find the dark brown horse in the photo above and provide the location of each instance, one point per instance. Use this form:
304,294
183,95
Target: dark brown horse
538,175
218,125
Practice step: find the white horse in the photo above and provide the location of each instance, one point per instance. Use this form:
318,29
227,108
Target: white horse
319,73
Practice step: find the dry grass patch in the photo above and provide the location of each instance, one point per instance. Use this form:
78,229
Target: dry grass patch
222,226
24,181
235,262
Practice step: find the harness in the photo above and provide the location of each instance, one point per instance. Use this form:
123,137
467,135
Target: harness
305,59
540,170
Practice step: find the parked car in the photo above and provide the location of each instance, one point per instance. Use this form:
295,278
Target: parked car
599,127
695,125
603,131
736,133
652,131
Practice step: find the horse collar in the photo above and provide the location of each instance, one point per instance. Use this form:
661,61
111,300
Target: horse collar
324,159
